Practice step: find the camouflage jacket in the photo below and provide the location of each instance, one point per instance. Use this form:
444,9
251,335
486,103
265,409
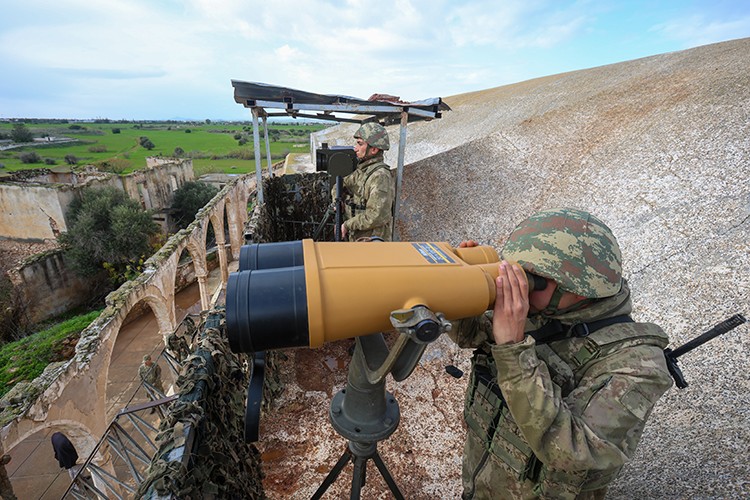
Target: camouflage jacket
558,420
151,375
368,195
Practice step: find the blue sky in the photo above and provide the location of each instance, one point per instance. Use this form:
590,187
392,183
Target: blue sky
169,59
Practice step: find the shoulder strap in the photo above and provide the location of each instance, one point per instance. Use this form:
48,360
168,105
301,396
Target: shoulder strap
557,330
377,167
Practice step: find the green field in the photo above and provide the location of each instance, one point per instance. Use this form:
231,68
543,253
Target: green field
212,146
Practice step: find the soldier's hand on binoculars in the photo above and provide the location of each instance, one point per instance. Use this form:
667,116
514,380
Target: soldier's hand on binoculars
511,304
468,244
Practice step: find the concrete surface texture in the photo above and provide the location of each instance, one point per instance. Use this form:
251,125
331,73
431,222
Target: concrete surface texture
658,148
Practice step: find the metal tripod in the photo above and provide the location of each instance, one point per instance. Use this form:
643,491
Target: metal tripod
364,412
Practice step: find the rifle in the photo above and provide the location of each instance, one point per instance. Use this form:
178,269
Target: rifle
672,355
336,209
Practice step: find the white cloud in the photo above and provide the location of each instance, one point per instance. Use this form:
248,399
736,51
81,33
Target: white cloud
698,29
141,56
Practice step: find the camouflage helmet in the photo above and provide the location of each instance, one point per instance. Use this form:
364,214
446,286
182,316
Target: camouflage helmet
572,248
374,134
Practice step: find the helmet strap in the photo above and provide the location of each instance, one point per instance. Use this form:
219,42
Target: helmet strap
554,301
369,156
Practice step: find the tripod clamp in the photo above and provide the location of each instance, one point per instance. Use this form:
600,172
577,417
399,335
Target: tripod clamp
364,412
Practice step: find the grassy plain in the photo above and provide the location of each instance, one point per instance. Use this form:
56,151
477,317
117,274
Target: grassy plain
214,147
27,358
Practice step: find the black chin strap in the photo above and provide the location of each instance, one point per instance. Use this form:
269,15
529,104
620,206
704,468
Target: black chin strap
557,330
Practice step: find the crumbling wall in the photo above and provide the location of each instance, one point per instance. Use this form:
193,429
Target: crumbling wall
155,185
33,207
33,212
50,288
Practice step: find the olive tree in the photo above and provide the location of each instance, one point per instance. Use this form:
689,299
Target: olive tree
21,133
189,198
108,230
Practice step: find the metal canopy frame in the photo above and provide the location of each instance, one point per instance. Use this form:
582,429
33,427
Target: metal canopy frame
292,103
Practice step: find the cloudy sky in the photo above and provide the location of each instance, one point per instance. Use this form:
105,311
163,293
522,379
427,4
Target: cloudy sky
171,59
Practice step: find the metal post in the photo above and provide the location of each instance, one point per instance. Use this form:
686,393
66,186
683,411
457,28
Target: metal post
268,147
258,168
399,168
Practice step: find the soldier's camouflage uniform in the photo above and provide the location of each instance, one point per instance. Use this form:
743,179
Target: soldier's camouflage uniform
151,375
558,419
368,195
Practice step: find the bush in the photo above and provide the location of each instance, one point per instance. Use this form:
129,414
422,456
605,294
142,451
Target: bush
145,142
99,148
107,227
71,159
115,130
30,157
50,161
114,165
189,198
187,130
241,154
179,152
21,133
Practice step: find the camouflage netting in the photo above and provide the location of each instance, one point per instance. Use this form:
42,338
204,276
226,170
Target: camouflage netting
212,388
293,207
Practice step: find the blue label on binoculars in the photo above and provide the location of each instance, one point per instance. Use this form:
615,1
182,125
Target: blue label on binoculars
433,254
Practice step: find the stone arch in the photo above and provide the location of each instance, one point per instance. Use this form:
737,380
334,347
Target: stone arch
76,431
196,246
236,217
32,455
165,316
216,219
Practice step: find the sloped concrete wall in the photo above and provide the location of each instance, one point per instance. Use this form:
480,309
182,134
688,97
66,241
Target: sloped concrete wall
658,148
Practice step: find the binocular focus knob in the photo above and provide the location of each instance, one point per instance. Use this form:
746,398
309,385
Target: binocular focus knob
427,330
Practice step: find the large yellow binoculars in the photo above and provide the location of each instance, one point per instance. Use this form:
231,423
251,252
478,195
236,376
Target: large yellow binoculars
306,293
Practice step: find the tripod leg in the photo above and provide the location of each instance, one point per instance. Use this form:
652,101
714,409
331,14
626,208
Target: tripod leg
358,477
387,476
331,477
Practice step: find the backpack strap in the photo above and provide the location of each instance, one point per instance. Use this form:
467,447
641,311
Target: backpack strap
377,167
557,330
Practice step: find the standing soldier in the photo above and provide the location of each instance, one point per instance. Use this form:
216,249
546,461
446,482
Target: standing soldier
370,190
150,373
562,379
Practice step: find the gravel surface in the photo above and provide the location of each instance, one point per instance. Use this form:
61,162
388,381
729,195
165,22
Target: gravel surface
658,148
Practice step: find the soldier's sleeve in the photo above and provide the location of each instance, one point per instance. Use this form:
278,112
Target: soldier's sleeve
596,426
471,332
377,212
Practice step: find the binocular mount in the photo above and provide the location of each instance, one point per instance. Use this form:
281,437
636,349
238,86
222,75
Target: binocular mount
364,412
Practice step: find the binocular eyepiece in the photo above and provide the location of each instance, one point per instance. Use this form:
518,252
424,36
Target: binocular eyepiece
306,293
